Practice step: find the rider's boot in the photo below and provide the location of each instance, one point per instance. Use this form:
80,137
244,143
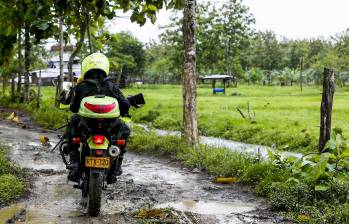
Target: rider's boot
115,170
73,167
118,169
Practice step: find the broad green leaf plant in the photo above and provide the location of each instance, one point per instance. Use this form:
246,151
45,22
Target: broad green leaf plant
319,170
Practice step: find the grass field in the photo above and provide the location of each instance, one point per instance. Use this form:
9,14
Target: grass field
284,116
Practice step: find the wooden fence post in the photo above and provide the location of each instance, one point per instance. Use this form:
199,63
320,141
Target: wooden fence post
326,107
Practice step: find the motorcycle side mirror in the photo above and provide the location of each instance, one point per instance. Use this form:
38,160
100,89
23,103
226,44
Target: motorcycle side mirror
137,100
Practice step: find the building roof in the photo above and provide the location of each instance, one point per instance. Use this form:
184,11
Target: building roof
54,72
216,76
65,58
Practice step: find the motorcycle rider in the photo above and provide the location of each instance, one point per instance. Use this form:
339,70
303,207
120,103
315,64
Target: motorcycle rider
94,81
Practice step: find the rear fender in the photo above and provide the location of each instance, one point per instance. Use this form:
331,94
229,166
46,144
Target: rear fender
92,145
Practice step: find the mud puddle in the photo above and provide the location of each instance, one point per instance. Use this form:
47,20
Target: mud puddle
146,183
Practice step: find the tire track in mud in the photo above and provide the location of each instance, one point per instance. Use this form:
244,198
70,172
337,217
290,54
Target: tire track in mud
147,183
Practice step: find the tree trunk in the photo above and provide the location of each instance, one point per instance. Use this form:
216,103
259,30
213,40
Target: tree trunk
4,83
326,108
13,86
76,50
119,76
301,75
61,51
39,91
20,60
189,76
59,86
89,35
27,49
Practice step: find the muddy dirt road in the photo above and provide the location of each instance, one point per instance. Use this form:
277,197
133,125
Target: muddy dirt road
146,183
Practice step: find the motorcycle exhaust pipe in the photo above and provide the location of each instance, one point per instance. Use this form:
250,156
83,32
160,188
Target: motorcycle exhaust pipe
114,151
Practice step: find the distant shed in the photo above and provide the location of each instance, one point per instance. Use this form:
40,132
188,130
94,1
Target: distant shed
214,78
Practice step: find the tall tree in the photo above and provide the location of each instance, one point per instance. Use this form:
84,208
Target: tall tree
189,74
20,60
127,56
39,23
221,34
234,25
27,49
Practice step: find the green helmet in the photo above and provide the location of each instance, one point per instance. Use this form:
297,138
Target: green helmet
95,61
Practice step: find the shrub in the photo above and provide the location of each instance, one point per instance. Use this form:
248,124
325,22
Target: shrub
289,196
10,188
335,214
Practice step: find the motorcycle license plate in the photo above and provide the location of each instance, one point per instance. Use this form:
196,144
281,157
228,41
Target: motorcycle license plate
97,162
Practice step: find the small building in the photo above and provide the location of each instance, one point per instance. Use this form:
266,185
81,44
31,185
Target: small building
213,78
49,75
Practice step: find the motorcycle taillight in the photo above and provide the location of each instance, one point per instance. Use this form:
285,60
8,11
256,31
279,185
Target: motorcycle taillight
98,139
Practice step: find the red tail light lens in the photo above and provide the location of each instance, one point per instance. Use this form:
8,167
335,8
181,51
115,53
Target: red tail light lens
121,142
100,109
98,139
99,152
76,140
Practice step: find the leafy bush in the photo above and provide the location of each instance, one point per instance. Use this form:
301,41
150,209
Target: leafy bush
10,188
11,178
335,214
6,166
287,196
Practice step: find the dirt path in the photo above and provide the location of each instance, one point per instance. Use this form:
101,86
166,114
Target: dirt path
146,183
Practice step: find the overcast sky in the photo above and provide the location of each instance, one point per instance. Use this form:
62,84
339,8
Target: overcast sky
288,18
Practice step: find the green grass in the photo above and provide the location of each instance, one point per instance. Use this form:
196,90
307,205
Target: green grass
47,116
285,116
12,178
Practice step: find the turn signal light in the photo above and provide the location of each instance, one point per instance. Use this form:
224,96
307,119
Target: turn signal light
121,142
98,139
76,140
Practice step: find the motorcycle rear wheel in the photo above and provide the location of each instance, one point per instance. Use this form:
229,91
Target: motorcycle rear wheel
95,194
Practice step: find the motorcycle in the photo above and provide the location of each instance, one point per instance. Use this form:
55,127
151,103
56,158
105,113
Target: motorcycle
99,145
